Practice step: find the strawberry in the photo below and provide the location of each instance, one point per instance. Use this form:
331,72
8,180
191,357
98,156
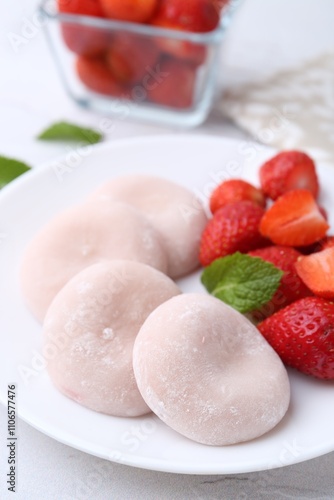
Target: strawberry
220,4
327,242
235,190
291,288
180,49
176,88
302,334
130,55
320,244
288,171
135,11
234,227
82,7
307,250
317,270
294,220
323,212
95,74
198,16
83,40
315,247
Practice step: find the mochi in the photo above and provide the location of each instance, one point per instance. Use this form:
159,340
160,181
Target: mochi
173,210
79,237
208,373
90,329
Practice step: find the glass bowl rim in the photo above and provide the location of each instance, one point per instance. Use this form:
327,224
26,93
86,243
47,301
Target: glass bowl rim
210,37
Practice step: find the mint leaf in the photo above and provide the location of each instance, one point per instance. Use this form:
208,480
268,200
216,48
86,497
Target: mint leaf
10,169
244,282
63,131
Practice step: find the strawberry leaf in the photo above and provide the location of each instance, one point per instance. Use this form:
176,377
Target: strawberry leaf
244,282
63,131
10,169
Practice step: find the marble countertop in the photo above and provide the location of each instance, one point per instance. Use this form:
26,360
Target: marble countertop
266,37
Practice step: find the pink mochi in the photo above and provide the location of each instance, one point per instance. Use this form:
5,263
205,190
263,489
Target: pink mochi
90,329
82,236
208,373
173,210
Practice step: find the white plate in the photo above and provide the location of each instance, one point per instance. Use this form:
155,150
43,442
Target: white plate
198,162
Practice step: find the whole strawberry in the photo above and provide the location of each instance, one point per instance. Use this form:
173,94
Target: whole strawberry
220,4
235,190
135,11
302,334
288,171
130,55
198,16
181,76
83,7
292,288
95,75
80,39
233,228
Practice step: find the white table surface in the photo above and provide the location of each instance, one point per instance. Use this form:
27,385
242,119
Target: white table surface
266,36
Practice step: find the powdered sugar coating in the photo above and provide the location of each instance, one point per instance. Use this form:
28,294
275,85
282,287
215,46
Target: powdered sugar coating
90,328
208,373
82,236
172,209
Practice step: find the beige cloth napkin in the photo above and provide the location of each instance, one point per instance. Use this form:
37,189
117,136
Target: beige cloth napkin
294,109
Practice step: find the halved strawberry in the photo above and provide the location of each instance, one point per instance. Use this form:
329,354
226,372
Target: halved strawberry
233,228
323,212
288,171
317,272
327,242
291,288
235,190
294,220
302,334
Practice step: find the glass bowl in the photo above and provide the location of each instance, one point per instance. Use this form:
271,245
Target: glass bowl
136,70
